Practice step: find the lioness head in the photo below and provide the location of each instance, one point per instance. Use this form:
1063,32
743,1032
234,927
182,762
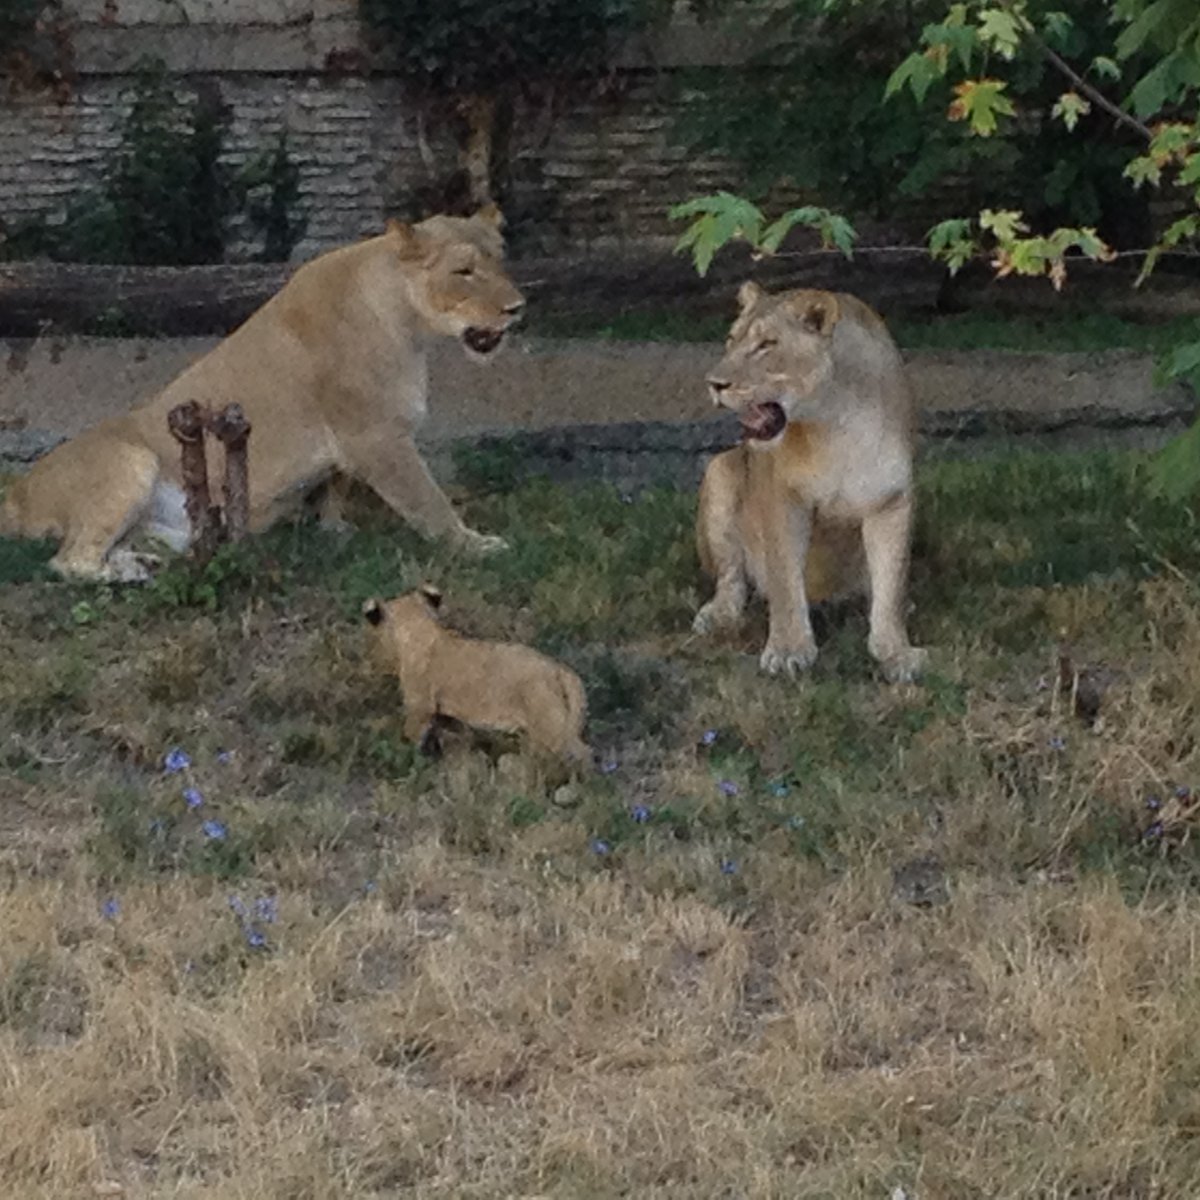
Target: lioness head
778,357
456,277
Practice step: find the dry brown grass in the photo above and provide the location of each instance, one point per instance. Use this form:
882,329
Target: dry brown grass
460,998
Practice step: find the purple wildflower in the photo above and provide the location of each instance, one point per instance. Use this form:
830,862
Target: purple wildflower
609,766
237,907
600,846
370,886
728,866
224,757
708,737
215,831
256,939
728,787
1153,803
266,910
193,798
1183,793
176,760
1057,743
111,908
1155,831
640,813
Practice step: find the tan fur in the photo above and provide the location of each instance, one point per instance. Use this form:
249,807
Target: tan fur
824,508
331,373
499,686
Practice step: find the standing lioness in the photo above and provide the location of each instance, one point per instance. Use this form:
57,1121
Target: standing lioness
817,501
331,373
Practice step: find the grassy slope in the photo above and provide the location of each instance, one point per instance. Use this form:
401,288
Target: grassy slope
464,995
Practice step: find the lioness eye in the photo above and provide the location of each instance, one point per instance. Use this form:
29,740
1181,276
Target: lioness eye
765,344
465,271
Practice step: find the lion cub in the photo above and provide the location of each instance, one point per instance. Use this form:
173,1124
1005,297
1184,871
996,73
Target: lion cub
817,501
497,686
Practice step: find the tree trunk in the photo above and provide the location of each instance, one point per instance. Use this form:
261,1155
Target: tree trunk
232,430
476,151
186,423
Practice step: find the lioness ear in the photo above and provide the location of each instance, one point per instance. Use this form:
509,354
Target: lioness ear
408,241
373,611
818,312
749,294
431,594
492,215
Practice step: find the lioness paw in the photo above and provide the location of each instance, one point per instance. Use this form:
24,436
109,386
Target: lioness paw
474,542
714,616
789,660
904,666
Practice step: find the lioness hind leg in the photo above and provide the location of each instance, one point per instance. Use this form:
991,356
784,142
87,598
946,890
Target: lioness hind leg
720,544
886,539
111,505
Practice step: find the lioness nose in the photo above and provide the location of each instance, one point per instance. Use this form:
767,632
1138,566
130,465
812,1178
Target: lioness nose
718,387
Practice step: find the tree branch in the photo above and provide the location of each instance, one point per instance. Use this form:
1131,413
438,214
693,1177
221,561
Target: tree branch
1096,96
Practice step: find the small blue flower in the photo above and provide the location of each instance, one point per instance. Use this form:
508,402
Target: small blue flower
1057,743
215,831
193,798
1153,803
641,813
708,737
177,760
779,789
1183,793
224,757
256,939
266,910
600,846
795,822
370,886
237,907
609,766
728,787
728,866
111,908
1155,831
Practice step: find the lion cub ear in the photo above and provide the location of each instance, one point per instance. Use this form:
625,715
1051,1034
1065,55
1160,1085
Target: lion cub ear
749,294
431,594
818,312
373,611
492,215
405,237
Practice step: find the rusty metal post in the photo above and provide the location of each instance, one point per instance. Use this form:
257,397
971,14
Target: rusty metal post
186,423
232,429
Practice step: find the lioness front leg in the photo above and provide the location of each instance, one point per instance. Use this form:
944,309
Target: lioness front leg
790,644
394,470
886,540
720,545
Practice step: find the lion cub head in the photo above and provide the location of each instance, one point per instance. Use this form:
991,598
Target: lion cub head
410,615
456,277
778,359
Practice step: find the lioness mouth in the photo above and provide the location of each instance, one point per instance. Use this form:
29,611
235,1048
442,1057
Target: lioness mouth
482,341
762,422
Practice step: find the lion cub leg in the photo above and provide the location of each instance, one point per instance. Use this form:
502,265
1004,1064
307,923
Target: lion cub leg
119,501
886,539
720,542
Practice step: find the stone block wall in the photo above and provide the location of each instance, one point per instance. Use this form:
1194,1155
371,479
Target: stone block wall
606,171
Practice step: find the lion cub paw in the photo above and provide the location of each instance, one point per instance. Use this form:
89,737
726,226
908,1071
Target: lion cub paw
480,544
904,666
790,660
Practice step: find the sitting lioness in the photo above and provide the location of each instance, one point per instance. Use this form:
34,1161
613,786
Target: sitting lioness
498,686
817,501
331,374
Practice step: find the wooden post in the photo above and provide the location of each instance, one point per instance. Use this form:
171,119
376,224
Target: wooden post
186,423
232,429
